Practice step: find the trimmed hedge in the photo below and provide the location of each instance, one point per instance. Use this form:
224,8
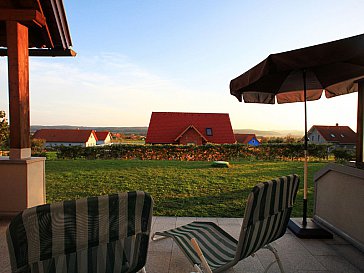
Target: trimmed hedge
210,152
343,155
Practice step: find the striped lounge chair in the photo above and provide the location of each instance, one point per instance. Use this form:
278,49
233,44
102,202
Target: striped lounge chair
97,234
210,249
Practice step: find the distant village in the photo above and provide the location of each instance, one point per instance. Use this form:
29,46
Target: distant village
183,128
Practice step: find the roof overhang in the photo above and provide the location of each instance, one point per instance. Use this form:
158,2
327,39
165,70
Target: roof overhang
46,52
47,26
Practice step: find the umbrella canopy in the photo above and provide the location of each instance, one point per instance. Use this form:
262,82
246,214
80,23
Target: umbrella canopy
302,75
333,67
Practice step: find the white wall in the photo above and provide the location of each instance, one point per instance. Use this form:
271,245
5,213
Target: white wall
316,138
108,139
91,141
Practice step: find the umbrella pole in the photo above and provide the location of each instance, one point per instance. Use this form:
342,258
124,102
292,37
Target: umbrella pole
305,172
305,167
306,229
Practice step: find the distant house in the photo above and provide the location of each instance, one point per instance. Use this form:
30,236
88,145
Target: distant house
189,128
339,136
249,139
103,137
65,137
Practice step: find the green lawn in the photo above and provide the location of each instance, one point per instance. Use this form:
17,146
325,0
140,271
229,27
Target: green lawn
179,188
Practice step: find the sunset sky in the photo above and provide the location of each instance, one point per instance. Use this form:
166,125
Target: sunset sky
136,57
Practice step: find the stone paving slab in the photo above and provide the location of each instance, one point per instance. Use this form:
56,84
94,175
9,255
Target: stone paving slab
297,255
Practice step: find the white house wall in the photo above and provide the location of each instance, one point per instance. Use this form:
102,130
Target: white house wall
316,138
91,141
108,139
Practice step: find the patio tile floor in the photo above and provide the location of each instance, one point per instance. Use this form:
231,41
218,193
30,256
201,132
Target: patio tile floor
298,255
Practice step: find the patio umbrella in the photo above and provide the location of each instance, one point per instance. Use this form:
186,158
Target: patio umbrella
302,75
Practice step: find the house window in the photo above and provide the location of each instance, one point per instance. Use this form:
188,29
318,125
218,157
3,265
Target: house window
318,138
313,138
209,131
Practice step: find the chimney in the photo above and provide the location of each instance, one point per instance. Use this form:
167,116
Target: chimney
337,124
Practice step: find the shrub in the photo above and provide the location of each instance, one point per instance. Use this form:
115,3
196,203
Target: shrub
342,155
209,152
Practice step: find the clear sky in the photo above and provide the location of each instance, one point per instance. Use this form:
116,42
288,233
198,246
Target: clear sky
139,56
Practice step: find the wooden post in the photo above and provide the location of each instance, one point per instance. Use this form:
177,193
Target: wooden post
18,66
360,125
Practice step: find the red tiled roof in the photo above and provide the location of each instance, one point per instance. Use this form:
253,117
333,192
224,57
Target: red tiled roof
340,134
64,135
165,127
102,135
244,138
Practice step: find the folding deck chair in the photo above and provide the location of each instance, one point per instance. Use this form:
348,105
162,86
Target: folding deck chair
210,249
97,234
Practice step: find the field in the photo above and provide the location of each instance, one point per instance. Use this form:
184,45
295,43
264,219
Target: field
179,188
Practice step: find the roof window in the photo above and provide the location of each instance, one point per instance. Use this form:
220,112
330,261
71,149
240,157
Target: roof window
332,135
342,135
209,131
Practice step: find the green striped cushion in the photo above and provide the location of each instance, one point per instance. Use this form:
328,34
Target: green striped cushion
218,247
267,213
85,235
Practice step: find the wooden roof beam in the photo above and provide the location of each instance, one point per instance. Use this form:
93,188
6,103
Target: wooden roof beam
46,52
193,128
47,35
23,15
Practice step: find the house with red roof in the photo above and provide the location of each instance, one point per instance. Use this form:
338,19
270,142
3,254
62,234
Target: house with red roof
103,137
67,137
189,128
249,139
340,136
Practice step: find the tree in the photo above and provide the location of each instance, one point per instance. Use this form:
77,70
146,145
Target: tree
292,139
276,140
4,131
38,147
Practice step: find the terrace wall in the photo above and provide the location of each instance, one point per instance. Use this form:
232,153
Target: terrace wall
339,195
